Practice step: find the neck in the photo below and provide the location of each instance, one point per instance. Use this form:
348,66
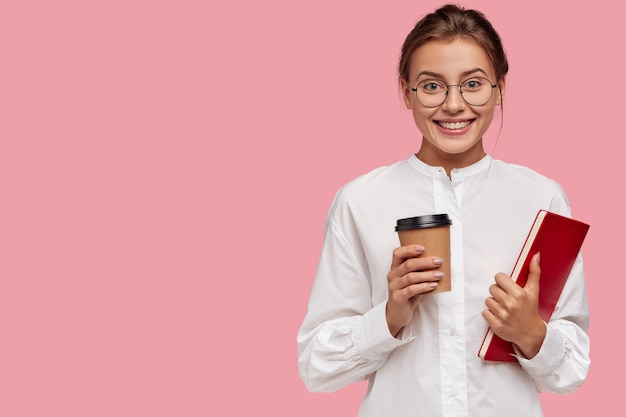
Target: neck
435,157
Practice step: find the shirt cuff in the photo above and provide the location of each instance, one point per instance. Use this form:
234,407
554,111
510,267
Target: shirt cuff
549,356
373,340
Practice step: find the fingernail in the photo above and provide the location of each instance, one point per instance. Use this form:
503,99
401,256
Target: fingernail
419,248
433,284
437,261
438,274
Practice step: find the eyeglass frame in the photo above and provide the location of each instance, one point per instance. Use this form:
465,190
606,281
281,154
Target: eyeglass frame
460,92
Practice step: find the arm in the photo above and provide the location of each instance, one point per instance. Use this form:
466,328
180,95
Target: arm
344,338
562,363
555,355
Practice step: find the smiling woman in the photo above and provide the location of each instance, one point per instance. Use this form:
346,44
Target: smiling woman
369,320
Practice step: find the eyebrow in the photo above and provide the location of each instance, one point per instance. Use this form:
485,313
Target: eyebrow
463,74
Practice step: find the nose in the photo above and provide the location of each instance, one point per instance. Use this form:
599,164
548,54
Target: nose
454,101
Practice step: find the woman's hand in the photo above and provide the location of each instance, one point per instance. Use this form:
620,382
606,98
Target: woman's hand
513,313
409,277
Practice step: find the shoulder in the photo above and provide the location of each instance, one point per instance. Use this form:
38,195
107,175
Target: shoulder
521,182
376,180
374,186
519,173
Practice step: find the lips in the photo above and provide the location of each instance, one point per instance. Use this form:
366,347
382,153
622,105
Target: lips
455,125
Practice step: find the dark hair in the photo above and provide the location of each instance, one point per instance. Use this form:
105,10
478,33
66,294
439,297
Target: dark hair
453,22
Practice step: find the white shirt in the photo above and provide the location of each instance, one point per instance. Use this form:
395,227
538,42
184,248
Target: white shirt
432,368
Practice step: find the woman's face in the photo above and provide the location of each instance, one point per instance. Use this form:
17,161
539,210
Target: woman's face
452,131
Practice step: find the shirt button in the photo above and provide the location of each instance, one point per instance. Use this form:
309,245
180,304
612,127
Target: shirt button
453,392
452,331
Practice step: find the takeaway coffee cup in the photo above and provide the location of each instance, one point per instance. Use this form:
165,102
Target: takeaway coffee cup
432,232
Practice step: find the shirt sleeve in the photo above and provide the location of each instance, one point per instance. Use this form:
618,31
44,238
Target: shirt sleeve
561,366
343,338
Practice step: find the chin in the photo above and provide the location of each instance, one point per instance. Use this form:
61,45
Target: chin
457,148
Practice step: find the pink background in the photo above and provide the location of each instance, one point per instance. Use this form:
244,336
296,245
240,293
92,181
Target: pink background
166,168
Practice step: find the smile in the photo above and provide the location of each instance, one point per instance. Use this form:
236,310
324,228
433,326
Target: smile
455,125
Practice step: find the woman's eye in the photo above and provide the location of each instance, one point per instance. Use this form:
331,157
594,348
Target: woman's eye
432,87
472,84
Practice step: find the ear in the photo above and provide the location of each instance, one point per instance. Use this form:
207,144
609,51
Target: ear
501,89
407,94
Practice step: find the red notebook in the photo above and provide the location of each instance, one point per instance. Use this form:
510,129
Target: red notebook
559,240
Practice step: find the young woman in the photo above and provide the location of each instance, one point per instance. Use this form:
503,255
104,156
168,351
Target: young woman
370,314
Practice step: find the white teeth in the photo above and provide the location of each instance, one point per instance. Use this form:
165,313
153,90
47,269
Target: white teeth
455,125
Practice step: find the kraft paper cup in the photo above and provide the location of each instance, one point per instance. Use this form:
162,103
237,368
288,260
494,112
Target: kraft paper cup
432,232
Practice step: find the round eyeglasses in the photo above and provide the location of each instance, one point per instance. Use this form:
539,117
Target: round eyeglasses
476,91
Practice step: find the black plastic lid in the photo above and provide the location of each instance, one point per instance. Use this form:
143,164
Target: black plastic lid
423,222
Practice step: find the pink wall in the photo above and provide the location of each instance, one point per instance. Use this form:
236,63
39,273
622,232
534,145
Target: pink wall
166,168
